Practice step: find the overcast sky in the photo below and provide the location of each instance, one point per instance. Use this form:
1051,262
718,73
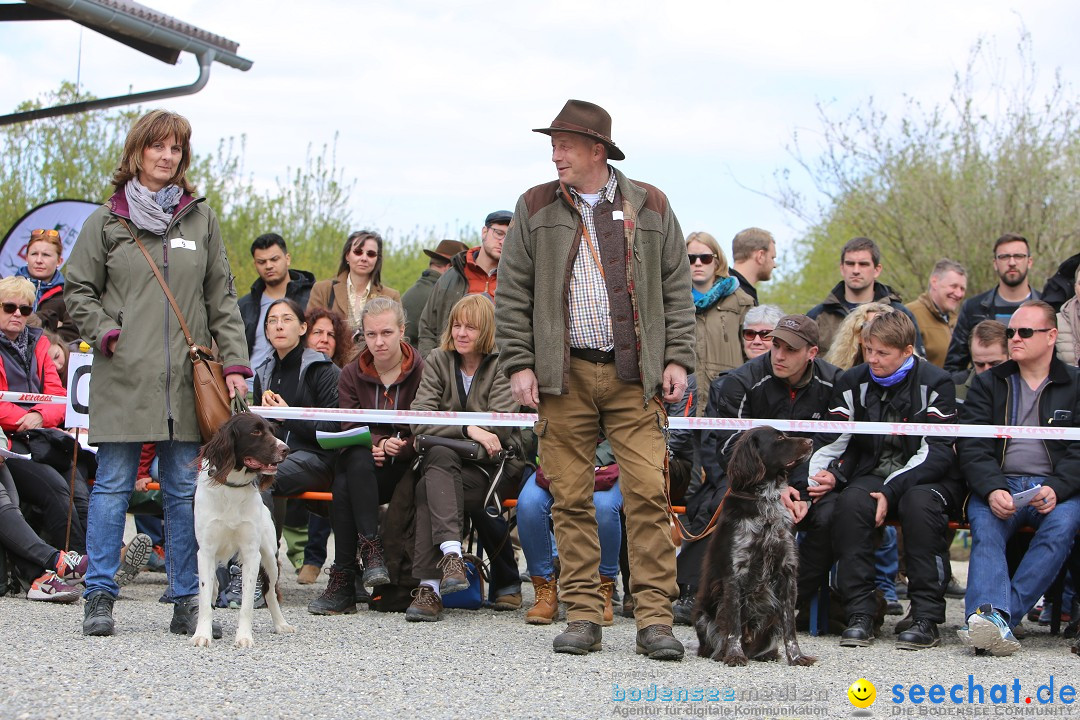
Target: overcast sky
434,101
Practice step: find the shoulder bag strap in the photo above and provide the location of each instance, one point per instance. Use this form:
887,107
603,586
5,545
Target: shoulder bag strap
161,281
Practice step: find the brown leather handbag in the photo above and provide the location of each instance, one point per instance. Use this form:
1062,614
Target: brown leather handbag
212,406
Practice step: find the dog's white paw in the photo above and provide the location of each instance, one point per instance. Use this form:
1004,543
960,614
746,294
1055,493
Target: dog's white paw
285,628
201,640
245,641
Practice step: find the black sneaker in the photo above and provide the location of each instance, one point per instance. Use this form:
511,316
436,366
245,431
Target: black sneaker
97,614
339,598
580,638
371,557
185,618
859,632
921,635
683,608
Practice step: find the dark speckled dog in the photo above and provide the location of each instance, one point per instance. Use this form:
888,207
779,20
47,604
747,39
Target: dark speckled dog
745,606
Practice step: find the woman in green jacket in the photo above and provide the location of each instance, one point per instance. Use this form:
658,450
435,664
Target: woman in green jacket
142,389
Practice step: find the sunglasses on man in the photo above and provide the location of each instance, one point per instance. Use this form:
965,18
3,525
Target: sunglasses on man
1025,333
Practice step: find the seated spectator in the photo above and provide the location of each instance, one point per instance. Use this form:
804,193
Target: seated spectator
905,477
51,569
847,350
720,307
384,376
358,280
25,366
327,334
1034,388
1068,339
758,322
988,348
538,542
44,254
296,376
462,374
59,352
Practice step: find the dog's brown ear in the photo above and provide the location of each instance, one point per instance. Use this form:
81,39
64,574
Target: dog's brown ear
218,453
746,469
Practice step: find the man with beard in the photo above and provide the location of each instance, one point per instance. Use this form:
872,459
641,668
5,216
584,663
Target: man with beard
1012,261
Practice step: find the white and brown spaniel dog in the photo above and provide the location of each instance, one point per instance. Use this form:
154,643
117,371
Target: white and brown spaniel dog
231,519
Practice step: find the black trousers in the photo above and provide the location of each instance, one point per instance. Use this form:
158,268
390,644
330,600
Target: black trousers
32,554
42,486
359,489
815,546
923,513
302,471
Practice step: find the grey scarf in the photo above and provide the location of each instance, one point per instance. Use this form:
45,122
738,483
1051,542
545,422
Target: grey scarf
151,211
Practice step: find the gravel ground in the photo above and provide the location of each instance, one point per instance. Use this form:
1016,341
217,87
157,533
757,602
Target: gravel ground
472,664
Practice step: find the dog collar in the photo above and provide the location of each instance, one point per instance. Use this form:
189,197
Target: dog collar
741,495
242,485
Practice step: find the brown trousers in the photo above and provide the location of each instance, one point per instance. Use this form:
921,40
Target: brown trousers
568,429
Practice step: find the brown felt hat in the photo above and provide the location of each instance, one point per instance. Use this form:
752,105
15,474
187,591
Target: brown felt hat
446,249
798,331
585,118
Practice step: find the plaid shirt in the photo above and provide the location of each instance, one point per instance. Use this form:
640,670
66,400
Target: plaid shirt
590,310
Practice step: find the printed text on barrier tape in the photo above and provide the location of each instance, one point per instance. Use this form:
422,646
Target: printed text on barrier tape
425,417
434,417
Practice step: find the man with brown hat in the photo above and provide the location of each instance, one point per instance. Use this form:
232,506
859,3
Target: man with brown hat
595,328
471,272
417,296
789,382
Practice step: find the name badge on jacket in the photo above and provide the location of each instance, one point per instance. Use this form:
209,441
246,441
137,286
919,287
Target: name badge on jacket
183,244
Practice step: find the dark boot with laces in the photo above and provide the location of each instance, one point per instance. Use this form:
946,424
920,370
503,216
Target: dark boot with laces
859,632
98,614
580,638
683,608
371,557
922,634
339,598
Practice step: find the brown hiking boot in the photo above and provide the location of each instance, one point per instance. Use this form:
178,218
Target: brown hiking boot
658,643
580,638
546,607
607,589
453,574
426,605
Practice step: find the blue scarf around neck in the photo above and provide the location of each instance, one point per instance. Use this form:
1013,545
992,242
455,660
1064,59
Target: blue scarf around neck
720,290
896,377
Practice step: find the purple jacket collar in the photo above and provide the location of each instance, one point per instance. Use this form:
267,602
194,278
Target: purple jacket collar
118,204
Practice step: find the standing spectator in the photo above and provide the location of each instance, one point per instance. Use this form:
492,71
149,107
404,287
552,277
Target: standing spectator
860,266
1068,340
142,389
905,477
935,310
276,280
44,254
1012,261
471,272
416,297
358,280
758,322
720,307
1034,388
753,251
1060,286
588,348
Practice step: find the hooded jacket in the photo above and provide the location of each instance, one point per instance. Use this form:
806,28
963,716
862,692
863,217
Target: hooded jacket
988,402
532,316
298,289
832,311
359,387
143,392
317,386
926,395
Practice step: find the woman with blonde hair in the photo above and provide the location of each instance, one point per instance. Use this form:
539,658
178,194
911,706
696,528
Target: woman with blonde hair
846,351
720,306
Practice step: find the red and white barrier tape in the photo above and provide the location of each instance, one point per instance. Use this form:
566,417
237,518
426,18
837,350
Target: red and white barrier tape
430,417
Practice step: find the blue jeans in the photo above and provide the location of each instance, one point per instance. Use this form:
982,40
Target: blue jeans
887,564
118,464
988,572
534,529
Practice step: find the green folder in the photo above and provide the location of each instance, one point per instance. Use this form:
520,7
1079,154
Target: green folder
345,438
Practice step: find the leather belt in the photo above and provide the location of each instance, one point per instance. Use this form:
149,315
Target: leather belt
594,356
